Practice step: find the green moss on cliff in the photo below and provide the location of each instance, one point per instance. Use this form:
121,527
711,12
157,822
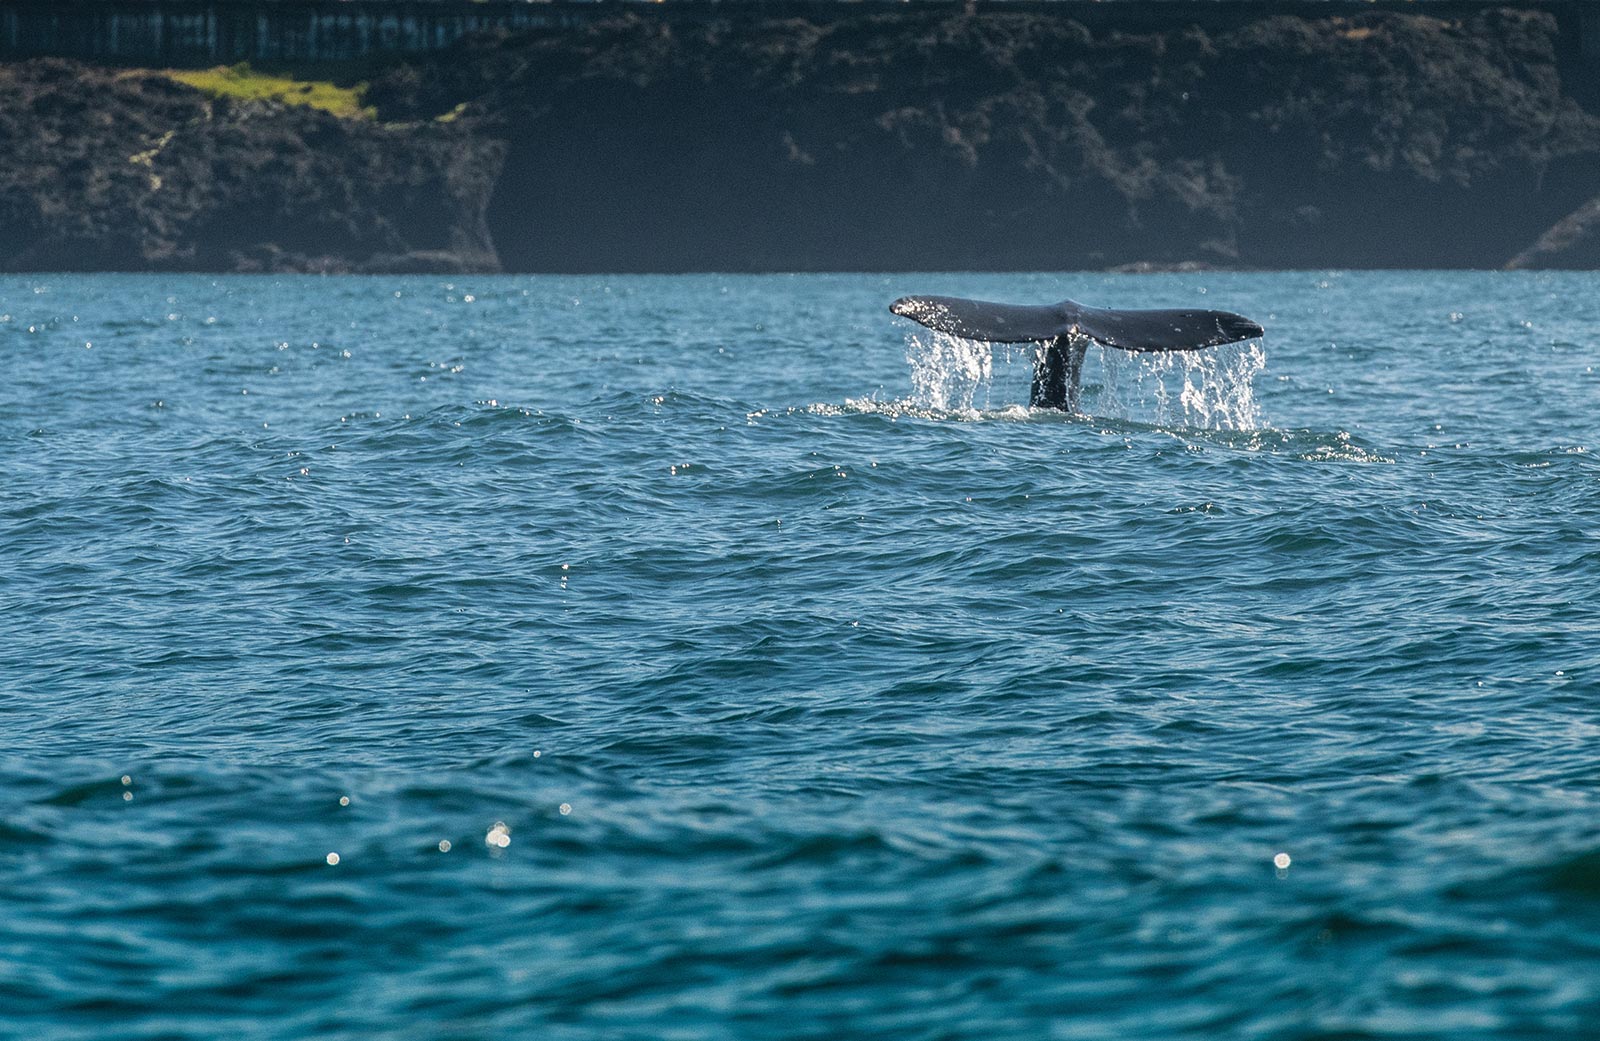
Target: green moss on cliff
243,83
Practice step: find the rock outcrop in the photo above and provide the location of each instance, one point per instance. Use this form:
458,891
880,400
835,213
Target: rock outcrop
1573,242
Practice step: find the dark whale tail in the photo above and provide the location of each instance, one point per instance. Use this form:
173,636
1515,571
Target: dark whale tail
1066,329
1179,329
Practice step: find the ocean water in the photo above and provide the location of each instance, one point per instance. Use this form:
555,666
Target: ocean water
721,657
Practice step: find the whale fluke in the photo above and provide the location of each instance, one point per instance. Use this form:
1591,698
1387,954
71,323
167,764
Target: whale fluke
1065,330
1178,329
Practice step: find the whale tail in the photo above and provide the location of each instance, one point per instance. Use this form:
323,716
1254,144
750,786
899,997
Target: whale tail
1065,330
1177,329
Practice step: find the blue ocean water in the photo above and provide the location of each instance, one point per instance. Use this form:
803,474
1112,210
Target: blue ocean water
720,657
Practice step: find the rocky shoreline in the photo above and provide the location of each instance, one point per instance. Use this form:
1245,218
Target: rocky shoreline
933,139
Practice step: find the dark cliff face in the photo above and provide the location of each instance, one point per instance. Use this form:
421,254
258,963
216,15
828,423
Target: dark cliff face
131,171
928,139
1001,140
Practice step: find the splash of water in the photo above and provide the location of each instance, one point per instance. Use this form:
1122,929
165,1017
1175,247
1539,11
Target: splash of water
952,374
948,372
1211,389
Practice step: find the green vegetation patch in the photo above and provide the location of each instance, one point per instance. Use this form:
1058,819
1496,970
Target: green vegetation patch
242,82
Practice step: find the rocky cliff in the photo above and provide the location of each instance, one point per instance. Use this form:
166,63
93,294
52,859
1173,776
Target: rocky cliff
934,138
130,171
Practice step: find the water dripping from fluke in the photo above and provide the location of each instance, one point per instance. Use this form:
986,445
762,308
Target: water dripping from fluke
1213,389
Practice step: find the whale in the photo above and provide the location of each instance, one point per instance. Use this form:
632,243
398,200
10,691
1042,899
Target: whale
1065,330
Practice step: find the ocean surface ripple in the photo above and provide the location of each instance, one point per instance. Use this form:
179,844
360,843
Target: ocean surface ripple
720,657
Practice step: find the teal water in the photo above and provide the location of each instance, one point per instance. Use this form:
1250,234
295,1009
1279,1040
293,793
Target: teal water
717,657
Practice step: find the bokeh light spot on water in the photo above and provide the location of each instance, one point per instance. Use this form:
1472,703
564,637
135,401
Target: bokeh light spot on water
444,845
499,836
1281,861
333,859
